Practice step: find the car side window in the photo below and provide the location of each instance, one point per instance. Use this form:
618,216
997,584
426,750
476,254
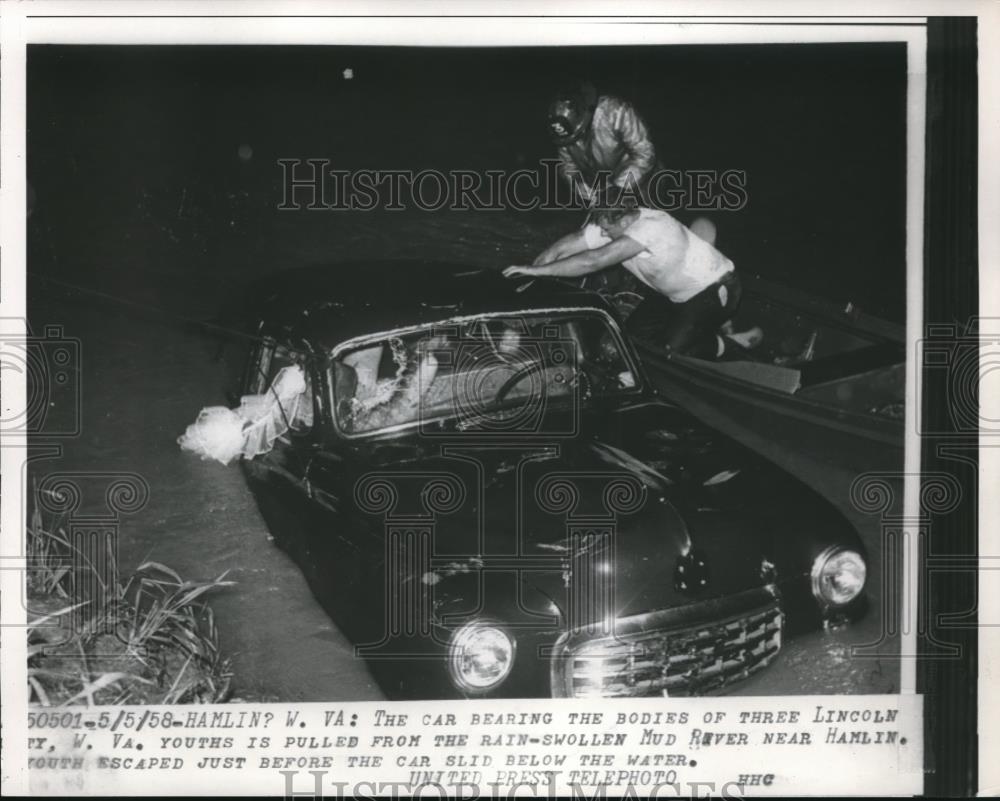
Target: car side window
282,377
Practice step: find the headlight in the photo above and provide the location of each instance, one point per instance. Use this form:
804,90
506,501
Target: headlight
838,576
480,656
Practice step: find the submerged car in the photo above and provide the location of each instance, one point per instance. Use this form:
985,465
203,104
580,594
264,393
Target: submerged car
490,499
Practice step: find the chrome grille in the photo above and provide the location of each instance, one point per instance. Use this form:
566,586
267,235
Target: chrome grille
641,659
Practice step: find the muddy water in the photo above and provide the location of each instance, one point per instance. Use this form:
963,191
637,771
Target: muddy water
144,382
156,186
145,379
148,367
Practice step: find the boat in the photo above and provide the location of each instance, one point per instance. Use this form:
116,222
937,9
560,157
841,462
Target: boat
826,376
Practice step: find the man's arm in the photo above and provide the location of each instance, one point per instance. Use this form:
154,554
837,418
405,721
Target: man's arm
585,263
570,172
634,136
573,242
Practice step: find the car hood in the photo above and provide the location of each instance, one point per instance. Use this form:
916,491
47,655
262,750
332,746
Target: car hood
637,512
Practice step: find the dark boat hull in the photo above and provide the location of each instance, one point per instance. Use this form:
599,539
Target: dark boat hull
833,406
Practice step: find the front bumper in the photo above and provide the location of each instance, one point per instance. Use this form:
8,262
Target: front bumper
684,651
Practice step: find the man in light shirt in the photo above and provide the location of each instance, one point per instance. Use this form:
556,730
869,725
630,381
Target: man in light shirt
693,290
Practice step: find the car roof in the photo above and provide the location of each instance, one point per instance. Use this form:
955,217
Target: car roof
330,304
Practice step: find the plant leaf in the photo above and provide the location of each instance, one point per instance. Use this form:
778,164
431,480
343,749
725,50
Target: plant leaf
720,478
102,681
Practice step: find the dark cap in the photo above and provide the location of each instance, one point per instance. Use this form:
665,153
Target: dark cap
571,112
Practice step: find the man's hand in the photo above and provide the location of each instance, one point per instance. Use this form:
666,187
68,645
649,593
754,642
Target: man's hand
516,269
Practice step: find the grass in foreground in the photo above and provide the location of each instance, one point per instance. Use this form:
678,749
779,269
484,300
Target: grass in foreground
151,639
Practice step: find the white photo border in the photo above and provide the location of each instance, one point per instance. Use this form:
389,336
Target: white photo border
456,24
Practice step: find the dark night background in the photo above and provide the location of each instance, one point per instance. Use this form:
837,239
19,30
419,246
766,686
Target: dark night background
142,199
133,154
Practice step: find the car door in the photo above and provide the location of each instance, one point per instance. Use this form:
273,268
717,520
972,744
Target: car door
343,551
294,449
279,475
346,549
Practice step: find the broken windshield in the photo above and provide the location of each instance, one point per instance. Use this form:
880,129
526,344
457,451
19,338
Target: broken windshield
478,371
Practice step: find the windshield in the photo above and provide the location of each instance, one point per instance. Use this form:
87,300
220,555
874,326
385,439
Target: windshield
478,372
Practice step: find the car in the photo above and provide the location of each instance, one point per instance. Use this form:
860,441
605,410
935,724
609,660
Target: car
490,499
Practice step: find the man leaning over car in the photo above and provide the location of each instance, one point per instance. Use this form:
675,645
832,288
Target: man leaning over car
692,289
